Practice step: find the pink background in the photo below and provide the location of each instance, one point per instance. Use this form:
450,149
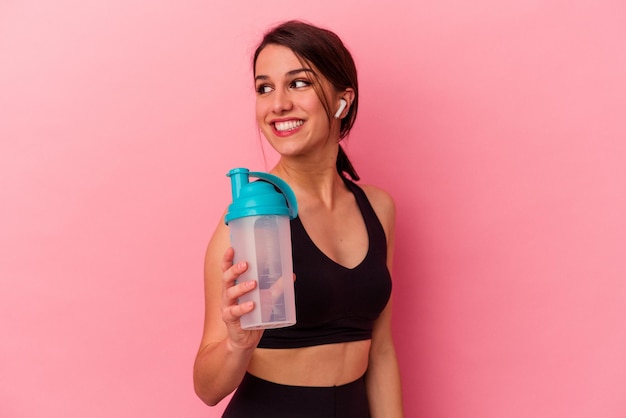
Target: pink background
498,127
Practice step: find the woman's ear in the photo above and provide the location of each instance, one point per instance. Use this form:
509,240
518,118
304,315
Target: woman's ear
348,95
345,101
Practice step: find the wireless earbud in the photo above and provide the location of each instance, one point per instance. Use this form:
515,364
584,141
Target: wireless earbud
342,106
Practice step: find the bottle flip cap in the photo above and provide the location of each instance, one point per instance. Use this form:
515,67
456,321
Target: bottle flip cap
259,198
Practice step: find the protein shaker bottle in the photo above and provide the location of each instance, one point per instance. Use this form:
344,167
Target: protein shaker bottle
258,220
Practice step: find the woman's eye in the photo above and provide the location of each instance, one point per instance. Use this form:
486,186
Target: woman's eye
300,83
264,88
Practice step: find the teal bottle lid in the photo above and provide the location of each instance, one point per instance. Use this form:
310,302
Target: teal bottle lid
259,198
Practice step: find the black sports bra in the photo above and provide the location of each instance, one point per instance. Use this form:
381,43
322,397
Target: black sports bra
335,304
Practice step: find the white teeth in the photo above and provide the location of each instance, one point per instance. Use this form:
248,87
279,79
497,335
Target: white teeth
288,125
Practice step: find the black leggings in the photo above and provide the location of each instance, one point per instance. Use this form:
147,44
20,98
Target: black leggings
258,398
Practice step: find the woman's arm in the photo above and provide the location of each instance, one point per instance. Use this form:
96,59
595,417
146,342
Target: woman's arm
225,349
383,375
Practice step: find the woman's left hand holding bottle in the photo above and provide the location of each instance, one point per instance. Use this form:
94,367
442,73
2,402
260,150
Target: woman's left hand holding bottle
238,338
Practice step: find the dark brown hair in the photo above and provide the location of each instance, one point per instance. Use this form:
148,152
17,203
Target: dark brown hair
324,50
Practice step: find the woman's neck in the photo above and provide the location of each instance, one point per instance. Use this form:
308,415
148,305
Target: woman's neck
319,182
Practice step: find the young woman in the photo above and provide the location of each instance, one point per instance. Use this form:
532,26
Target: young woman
339,359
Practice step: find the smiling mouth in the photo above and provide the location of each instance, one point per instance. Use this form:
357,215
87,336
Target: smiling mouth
289,125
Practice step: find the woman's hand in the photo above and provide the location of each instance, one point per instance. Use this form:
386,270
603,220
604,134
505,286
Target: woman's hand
239,339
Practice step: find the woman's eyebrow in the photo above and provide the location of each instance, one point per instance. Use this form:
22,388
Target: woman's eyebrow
290,73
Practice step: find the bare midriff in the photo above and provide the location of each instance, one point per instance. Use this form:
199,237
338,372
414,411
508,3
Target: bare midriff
320,365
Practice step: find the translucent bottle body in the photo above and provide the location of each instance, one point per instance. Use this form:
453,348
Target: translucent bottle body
265,243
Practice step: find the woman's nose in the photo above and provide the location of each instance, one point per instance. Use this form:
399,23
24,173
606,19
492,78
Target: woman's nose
282,101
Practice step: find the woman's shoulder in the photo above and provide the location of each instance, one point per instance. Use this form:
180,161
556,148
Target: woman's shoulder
378,197
382,202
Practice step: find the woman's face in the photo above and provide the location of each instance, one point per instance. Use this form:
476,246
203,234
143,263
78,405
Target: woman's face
288,109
